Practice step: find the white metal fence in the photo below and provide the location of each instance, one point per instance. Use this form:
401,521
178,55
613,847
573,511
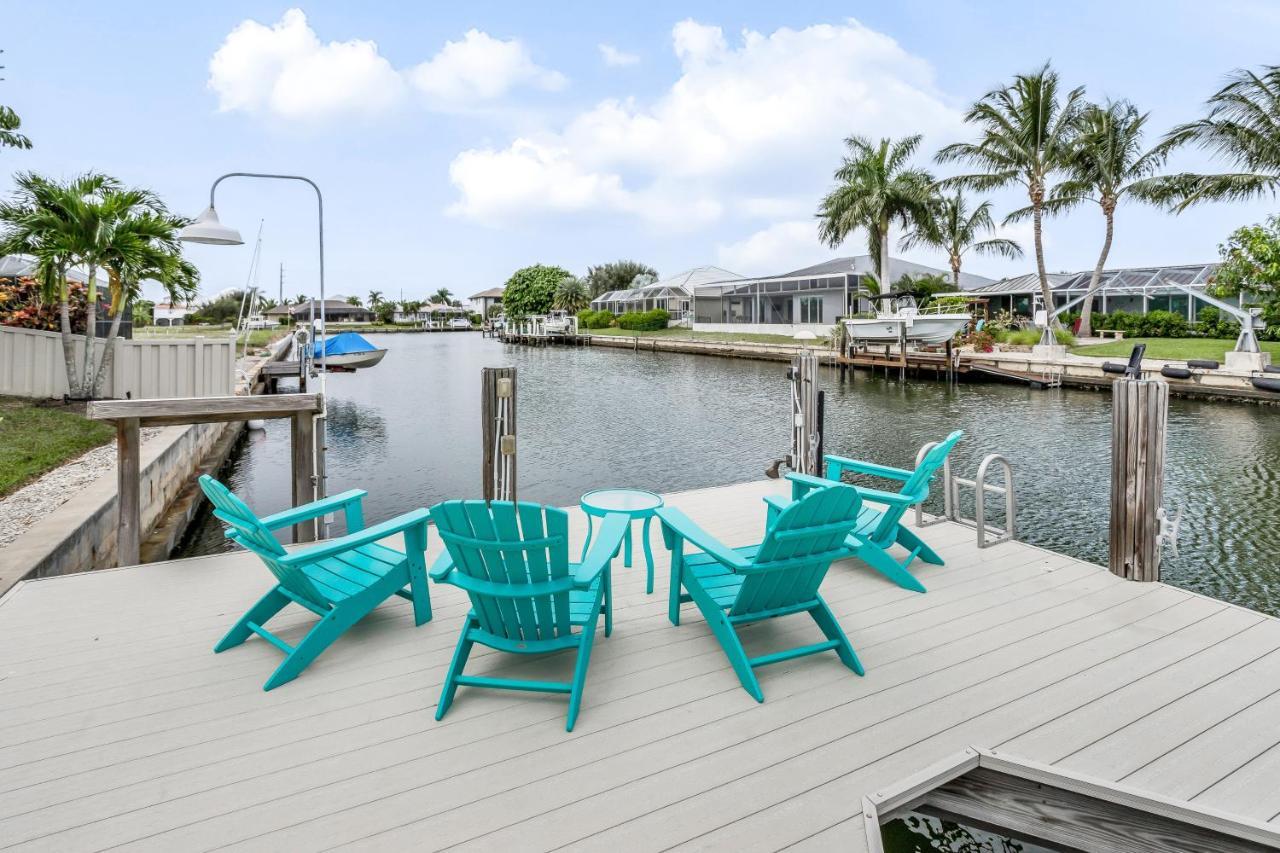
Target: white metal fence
32,365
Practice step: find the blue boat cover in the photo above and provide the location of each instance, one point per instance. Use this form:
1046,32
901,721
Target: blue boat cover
343,343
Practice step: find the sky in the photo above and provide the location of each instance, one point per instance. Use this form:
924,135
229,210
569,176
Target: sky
457,142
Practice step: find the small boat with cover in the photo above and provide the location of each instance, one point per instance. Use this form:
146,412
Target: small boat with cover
347,351
905,320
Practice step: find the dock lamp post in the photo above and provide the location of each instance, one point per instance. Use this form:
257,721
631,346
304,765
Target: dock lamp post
209,230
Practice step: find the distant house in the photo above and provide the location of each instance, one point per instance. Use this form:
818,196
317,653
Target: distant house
170,314
484,300
335,311
806,299
432,312
673,293
1135,289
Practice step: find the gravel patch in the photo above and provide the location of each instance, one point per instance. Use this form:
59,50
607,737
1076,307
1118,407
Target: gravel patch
23,508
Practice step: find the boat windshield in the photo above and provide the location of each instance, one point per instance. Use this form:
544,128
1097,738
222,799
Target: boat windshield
905,306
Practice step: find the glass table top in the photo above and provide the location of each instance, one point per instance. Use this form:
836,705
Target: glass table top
621,500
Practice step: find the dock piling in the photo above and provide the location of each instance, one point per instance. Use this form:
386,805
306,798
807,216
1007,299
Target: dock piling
1139,415
498,433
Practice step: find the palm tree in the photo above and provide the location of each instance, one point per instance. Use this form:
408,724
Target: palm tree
443,296
877,189
375,298
1108,166
60,225
353,300
571,295
159,259
1028,135
117,222
9,125
956,230
1243,127
141,244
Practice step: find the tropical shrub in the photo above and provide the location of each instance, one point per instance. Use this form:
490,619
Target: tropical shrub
532,290
589,319
21,305
1212,323
1001,321
618,275
1163,324
1018,337
982,342
645,321
222,310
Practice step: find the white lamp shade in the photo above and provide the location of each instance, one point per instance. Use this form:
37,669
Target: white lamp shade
207,229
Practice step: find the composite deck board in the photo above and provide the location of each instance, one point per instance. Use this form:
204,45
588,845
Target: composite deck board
120,728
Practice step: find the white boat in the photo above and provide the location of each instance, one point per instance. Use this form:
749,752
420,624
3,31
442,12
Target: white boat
907,321
347,351
560,323
459,323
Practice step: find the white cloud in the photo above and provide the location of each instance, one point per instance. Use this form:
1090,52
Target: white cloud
481,67
613,57
530,175
786,245
284,70
761,118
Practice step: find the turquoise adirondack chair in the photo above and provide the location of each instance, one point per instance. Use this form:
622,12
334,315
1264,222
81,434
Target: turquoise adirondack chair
778,577
879,529
339,580
512,559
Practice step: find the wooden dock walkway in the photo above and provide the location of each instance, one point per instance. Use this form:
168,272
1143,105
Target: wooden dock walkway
119,727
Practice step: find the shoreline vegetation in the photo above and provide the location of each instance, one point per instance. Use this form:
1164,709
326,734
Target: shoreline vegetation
37,436
1172,349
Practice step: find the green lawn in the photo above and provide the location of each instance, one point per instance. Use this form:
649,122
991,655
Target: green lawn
1174,349
36,436
687,335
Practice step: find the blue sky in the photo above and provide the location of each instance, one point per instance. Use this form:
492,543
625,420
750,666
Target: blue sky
458,142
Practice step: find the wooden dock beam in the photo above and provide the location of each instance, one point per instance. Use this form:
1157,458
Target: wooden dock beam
1139,414
129,416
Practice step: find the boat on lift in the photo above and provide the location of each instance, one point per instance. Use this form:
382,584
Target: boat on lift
559,323
347,351
905,320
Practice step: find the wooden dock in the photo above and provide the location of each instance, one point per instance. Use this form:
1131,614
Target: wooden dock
120,727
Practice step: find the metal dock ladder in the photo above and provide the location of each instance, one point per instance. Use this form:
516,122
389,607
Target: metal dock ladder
987,534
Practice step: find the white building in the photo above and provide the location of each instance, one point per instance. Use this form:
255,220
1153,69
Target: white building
484,300
170,314
673,293
811,298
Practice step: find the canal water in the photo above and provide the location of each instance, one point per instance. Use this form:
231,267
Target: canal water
409,433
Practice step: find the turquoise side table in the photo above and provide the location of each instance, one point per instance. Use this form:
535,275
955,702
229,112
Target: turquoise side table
634,503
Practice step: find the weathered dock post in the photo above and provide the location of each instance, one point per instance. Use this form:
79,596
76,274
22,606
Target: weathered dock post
498,433
1139,414
807,405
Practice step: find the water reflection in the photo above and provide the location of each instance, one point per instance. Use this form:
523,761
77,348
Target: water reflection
408,432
